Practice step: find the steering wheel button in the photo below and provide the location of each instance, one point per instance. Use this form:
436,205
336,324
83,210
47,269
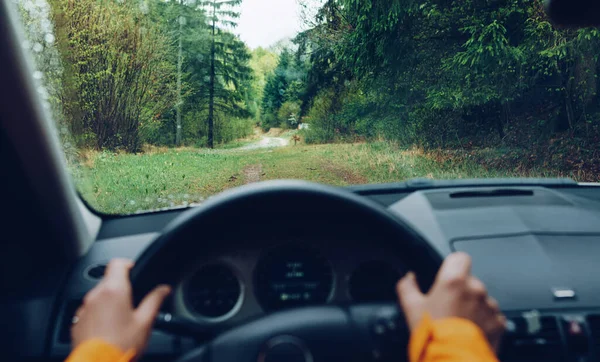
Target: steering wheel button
379,329
391,325
376,354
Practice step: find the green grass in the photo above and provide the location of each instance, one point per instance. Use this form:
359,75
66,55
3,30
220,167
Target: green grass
125,183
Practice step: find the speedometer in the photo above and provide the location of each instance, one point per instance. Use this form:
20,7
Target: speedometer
292,275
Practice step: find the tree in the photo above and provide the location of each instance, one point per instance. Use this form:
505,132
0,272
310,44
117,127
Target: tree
184,23
263,63
228,59
181,21
285,84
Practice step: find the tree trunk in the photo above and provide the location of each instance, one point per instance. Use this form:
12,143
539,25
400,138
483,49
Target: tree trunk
501,119
211,86
569,109
179,64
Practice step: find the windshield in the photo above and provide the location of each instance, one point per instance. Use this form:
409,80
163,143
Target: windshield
161,104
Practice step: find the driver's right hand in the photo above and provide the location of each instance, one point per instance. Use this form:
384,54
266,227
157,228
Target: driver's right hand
455,293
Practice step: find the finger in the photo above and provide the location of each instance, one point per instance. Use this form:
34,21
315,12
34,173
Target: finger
457,266
117,268
477,287
150,305
498,331
76,317
502,321
117,272
493,305
408,291
78,312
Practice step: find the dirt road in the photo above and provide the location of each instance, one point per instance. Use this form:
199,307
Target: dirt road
266,142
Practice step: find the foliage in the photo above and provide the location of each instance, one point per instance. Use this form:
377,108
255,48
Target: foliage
263,63
284,85
226,66
115,77
289,114
117,71
447,74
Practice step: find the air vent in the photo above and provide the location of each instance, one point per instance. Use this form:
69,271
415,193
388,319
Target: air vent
539,340
66,320
95,272
594,327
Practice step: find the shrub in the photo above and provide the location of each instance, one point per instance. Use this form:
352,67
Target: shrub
268,121
289,114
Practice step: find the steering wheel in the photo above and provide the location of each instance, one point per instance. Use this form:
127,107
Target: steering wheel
307,334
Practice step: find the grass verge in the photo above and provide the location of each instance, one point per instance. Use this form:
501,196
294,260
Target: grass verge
163,178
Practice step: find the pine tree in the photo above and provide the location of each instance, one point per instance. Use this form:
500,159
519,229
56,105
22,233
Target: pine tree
228,60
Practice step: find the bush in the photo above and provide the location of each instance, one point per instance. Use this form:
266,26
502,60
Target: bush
268,121
289,114
232,129
321,118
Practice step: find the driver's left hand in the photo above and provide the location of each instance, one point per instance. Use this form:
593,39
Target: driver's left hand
108,314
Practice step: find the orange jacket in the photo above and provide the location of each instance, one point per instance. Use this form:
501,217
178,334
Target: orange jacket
446,340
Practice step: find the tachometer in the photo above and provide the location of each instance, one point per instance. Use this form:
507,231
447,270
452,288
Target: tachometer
292,275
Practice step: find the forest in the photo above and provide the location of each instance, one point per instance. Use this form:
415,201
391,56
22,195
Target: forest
490,81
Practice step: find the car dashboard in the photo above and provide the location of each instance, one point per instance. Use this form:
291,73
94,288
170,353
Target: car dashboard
230,287
535,247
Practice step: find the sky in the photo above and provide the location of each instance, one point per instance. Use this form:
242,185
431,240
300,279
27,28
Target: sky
264,22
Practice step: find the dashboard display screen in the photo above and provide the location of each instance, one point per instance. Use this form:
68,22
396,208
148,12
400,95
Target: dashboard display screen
292,276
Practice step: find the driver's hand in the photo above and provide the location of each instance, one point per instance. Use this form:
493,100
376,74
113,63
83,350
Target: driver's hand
107,312
455,293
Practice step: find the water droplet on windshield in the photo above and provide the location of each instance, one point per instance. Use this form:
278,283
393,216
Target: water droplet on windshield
42,92
37,74
37,47
182,20
49,38
144,7
131,202
46,25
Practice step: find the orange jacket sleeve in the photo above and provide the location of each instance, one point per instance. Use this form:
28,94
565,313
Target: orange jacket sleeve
446,340
449,340
96,350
